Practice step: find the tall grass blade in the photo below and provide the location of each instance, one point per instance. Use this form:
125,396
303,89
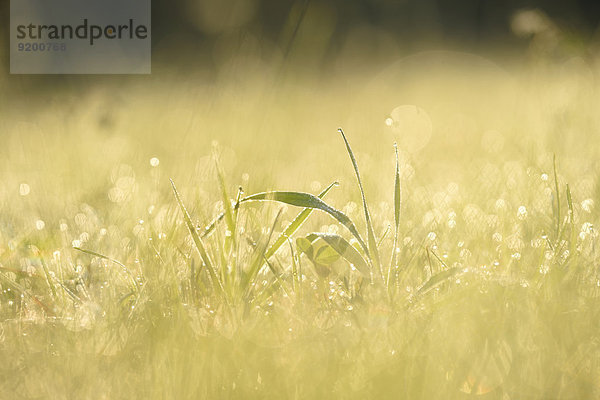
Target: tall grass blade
573,237
374,252
48,278
198,243
259,258
295,270
397,208
295,225
229,214
558,220
570,204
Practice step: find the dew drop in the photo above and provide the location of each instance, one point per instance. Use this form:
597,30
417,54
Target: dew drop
24,189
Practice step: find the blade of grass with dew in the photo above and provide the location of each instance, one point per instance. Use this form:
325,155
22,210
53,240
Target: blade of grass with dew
229,218
277,275
558,221
307,200
212,225
573,233
571,209
127,271
198,243
236,207
384,235
257,263
294,266
295,224
344,249
437,279
46,273
439,259
374,252
397,208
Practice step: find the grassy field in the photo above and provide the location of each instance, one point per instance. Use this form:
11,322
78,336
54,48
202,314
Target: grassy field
469,270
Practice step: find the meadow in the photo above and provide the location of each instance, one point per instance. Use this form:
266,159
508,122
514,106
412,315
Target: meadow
181,239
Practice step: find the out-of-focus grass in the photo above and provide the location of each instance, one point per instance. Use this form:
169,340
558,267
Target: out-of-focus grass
491,293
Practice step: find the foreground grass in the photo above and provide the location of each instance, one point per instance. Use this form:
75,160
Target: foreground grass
431,276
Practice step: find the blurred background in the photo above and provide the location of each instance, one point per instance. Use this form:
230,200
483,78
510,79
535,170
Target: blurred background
270,81
317,37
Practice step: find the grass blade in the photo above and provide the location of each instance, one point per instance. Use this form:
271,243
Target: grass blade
229,217
198,243
295,225
437,279
570,203
370,232
558,221
259,258
397,208
344,249
133,282
307,200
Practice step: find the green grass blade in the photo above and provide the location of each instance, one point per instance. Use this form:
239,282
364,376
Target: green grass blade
48,278
295,225
397,208
229,218
197,242
570,203
295,276
307,200
573,235
211,227
119,263
344,249
558,221
374,252
383,236
278,276
259,258
236,207
397,191
437,279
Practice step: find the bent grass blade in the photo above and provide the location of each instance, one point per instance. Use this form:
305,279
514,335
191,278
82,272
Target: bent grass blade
307,200
295,224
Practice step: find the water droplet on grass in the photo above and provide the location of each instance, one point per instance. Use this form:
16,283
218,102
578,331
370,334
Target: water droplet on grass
24,189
